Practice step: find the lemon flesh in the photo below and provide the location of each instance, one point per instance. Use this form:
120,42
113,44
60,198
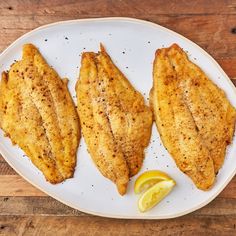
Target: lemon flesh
148,179
155,194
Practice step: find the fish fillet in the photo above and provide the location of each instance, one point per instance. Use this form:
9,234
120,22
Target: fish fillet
115,122
38,114
193,116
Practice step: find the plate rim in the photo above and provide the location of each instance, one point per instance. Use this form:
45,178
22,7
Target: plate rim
147,23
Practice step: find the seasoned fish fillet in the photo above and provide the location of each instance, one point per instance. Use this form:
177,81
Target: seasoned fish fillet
193,116
38,114
115,122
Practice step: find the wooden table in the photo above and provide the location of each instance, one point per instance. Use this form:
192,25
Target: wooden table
24,210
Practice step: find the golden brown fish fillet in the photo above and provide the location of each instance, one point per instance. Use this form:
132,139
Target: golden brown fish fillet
213,114
38,114
193,116
116,124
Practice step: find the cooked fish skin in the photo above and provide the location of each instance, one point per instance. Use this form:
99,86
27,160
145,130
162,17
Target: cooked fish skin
52,99
16,122
95,126
213,114
126,109
176,124
107,118
33,115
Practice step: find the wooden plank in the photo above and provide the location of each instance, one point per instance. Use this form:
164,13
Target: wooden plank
230,190
101,7
5,169
228,65
1,159
35,206
14,185
221,42
73,225
48,206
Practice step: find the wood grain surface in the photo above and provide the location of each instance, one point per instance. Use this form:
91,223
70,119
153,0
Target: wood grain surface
25,210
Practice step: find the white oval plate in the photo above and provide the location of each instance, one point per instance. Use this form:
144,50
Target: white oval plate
131,44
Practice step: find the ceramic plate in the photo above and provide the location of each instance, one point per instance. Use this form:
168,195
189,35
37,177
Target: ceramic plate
131,43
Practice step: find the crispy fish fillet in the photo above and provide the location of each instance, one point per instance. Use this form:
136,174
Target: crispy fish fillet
193,116
38,114
214,116
115,122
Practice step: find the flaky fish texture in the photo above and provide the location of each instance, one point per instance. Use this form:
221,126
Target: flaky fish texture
115,121
194,118
38,114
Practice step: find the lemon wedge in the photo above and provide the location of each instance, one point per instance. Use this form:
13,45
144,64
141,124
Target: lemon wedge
148,179
155,194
